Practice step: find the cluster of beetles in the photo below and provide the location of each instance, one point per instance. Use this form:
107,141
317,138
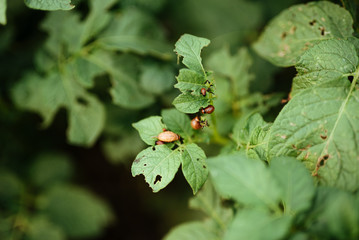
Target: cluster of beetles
196,123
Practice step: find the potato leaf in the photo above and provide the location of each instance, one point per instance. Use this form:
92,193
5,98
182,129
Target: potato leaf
299,27
194,167
50,4
158,164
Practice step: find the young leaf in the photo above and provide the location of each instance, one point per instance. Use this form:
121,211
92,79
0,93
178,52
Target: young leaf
189,231
177,122
318,125
189,80
246,180
50,4
189,47
158,164
189,103
326,64
258,224
78,212
296,183
3,12
300,27
194,166
149,129
251,132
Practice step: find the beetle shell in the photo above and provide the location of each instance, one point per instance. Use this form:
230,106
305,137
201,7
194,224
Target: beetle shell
195,123
168,136
203,91
159,142
207,110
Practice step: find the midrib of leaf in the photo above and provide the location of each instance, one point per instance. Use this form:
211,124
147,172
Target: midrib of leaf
190,155
340,114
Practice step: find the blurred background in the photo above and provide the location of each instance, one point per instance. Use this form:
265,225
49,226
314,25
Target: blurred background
56,185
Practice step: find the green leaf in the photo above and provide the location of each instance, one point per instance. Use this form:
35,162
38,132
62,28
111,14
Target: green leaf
156,78
189,80
50,4
189,103
3,12
246,180
136,44
334,215
51,168
194,166
189,47
149,128
158,164
300,27
84,71
97,19
209,202
125,90
257,224
296,183
78,212
47,95
235,67
251,133
11,189
326,64
318,126
41,228
177,122
189,231
65,30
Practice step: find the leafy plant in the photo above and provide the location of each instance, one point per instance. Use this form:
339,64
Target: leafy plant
259,164
276,172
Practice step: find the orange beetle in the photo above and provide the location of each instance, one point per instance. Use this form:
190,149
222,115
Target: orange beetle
168,136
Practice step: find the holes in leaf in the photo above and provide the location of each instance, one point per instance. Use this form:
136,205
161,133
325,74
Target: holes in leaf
145,165
322,31
350,78
82,101
204,166
284,34
197,159
322,160
158,179
311,23
153,148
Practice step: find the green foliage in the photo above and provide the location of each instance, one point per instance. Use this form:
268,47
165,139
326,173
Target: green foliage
50,5
298,28
273,171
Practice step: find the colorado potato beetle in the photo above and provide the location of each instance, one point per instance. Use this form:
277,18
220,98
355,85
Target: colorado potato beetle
203,91
209,109
168,136
195,123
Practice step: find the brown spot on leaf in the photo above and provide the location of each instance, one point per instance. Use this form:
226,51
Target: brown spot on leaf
158,179
82,101
311,23
204,166
323,137
292,29
284,34
322,31
320,163
137,160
